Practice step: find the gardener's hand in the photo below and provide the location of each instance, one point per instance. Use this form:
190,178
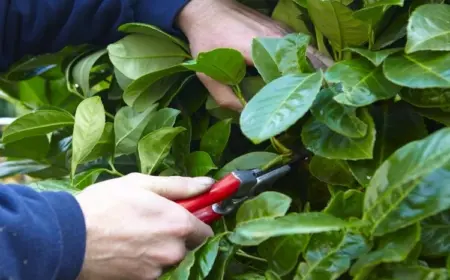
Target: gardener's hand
135,230
211,24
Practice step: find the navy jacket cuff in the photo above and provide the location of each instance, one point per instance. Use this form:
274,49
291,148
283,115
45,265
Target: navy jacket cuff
161,13
73,233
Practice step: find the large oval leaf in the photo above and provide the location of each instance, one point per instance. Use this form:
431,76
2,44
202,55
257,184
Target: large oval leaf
322,141
279,105
418,70
215,140
331,171
165,117
257,231
339,25
37,123
136,55
362,82
291,54
410,185
247,161
338,117
155,146
82,69
429,28
266,205
88,129
427,98
199,164
436,235
263,55
376,57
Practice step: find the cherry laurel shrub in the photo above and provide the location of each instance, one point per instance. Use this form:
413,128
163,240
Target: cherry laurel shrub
359,90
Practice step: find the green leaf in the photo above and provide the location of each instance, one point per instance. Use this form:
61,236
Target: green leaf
331,171
271,275
411,180
36,147
254,232
340,118
249,276
425,69
247,161
436,114
199,164
282,252
362,82
263,55
87,178
396,125
82,69
329,254
165,117
410,272
183,270
279,105
128,127
88,129
393,247
429,28
54,186
224,257
136,55
266,205
427,98
339,25
224,65
37,123
155,146
205,257
436,235
287,12
376,57
346,205
322,141
215,139
104,146
15,167
290,54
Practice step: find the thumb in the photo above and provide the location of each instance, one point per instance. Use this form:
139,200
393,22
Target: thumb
222,94
172,187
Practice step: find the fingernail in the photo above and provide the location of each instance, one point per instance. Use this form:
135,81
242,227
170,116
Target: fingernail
204,181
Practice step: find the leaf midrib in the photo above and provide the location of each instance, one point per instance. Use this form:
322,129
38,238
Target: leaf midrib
429,39
428,69
37,128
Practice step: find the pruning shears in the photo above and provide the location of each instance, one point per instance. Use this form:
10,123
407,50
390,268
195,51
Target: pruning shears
231,191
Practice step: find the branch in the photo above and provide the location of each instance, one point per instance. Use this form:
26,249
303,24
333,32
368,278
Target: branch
318,59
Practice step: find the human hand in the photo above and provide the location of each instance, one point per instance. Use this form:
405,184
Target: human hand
135,230
211,24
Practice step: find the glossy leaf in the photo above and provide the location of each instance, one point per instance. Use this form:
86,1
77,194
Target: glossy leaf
329,254
396,125
436,235
205,257
271,275
362,82
322,141
340,118
346,205
165,117
393,247
331,171
129,126
82,69
247,161
427,98
279,105
88,129
136,55
411,179
199,164
224,65
215,139
339,25
53,185
287,12
410,272
37,123
290,54
36,148
424,69
224,257
263,55
87,178
268,204
376,57
15,167
257,231
282,252
429,29
104,146
437,114
155,146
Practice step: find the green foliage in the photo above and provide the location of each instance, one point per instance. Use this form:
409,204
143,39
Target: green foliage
368,198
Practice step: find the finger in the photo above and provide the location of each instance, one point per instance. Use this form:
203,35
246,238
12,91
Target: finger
222,94
172,187
201,232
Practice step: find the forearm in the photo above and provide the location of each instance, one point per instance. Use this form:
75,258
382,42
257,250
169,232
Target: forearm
42,235
32,27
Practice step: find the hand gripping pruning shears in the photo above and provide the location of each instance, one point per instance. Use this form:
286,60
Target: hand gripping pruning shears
231,191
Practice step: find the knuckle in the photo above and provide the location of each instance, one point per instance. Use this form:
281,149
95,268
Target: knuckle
184,226
172,256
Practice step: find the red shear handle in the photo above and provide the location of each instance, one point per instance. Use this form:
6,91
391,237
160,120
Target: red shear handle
218,192
207,215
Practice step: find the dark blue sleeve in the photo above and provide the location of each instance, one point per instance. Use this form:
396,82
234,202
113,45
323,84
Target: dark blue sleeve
42,234
31,27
